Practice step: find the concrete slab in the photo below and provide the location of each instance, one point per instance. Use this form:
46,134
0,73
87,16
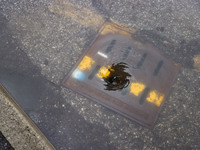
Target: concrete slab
17,128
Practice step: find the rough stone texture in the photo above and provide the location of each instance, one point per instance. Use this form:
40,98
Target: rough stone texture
17,130
53,43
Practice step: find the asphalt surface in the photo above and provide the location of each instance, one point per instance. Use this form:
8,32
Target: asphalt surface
4,144
18,130
42,40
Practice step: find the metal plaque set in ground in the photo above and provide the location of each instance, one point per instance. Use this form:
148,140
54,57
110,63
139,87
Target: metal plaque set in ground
124,74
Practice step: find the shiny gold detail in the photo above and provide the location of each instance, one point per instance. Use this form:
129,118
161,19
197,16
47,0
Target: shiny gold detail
103,72
86,63
137,88
155,97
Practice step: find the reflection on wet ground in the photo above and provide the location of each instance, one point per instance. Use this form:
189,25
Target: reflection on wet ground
125,74
117,78
57,33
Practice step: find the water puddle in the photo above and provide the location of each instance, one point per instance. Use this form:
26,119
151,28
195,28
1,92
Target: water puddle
123,74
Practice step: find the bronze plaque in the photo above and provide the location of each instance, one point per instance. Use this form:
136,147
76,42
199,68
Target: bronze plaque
123,74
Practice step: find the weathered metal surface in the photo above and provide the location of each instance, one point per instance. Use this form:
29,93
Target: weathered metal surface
138,95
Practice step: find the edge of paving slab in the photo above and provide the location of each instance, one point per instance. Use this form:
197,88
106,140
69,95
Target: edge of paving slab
18,129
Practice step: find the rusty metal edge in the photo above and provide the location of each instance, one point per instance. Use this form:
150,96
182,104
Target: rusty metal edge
87,48
175,73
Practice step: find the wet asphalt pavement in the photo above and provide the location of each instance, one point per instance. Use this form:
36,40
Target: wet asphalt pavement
4,144
42,40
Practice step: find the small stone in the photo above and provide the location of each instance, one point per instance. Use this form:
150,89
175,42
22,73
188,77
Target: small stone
196,60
